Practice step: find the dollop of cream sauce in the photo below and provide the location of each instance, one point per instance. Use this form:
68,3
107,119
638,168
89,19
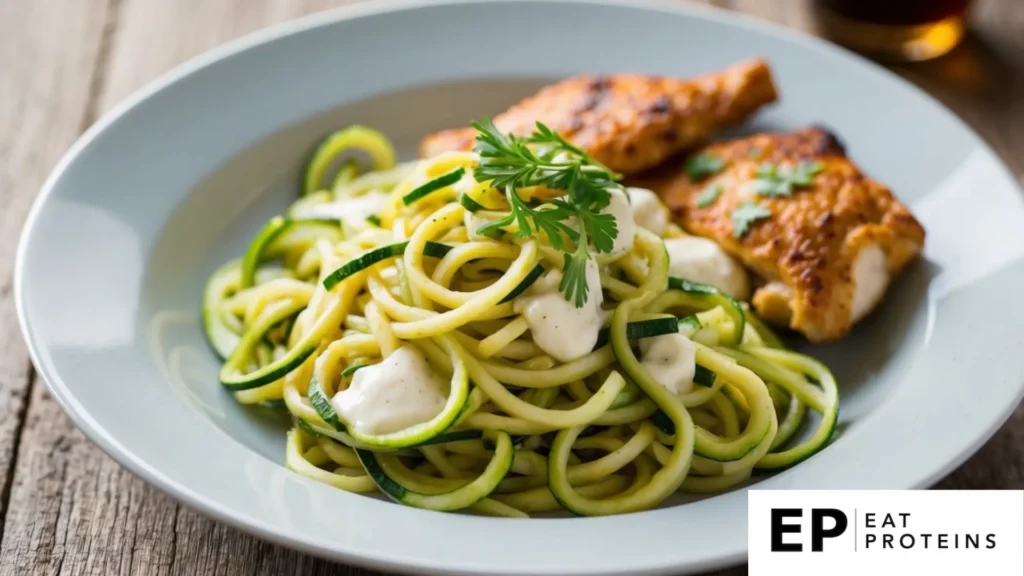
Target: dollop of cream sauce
557,326
620,209
648,210
701,260
398,393
671,361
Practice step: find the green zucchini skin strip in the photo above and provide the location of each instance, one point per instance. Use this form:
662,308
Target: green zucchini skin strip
269,373
254,254
322,404
352,370
231,375
644,329
707,297
339,435
306,427
532,277
434,185
457,499
704,377
225,280
368,140
454,436
377,255
469,204
689,326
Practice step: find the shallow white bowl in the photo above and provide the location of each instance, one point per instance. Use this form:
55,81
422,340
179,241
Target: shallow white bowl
114,255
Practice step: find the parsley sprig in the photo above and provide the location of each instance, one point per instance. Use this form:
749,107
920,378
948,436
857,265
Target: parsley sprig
571,222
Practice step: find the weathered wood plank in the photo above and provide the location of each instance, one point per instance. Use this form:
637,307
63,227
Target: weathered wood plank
75,511
47,54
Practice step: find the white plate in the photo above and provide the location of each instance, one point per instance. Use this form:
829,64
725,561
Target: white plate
140,211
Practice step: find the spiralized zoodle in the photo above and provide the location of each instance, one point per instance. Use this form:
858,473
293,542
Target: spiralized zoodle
382,266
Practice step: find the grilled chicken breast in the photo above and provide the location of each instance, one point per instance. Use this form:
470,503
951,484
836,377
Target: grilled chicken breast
827,252
631,122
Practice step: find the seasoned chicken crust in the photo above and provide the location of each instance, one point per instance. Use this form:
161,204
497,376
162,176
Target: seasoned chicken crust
810,249
631,122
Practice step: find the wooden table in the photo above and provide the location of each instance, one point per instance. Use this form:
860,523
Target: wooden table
67,508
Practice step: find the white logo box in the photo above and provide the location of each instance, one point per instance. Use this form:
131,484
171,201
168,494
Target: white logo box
886,532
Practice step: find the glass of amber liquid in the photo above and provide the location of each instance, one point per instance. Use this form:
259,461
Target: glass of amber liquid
894,30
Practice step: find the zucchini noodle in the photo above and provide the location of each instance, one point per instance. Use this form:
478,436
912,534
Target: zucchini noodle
333,298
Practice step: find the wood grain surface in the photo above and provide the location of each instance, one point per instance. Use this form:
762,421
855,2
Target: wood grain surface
65,507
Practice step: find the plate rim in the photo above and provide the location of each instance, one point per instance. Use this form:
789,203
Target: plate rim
194,498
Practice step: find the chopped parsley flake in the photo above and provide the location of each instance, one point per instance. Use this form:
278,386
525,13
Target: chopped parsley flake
746,214
701,166
709,195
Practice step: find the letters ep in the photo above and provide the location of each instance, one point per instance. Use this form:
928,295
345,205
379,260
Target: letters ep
783,524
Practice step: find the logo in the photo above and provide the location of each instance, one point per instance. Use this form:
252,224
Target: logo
818,530
883,532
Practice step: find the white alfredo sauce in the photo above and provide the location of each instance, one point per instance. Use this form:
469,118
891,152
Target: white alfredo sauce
620,209
870,277
558,327
701,260
671,361
400,392
648,211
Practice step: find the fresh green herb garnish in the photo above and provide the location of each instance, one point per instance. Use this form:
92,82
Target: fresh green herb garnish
755,152
746,214
701,166
709,195
804,173
546,159
774,180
